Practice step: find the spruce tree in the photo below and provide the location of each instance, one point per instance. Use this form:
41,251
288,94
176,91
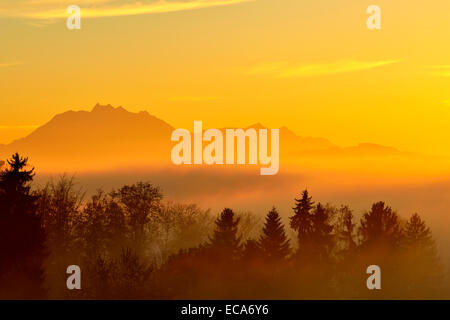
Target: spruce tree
273,242
422,266
380,237
380,227
225,239
321,235
417,234
21,233
302,222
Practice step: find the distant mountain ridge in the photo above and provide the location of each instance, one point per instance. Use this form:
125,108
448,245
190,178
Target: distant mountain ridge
110,137
101,137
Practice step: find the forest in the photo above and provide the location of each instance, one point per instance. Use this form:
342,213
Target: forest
132,243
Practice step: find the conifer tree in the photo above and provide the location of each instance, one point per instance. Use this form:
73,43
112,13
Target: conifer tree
380,227
21,234
273,242
321,234
225,239
417,234
302,222
422,267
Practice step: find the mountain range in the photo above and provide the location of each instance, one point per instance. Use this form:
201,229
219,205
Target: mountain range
108,137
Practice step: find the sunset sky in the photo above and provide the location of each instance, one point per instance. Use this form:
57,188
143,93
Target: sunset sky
310,65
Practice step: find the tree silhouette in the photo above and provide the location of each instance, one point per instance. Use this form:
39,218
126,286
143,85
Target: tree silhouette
321,233
273,242
225,239
94,226
130,244
302,223
417,234
141,202
345,232
22,239
347,270
59,205
422,264
380,226
124,277
380,236
301,220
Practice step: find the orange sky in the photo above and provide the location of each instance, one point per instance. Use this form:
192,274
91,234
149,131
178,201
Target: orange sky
311,65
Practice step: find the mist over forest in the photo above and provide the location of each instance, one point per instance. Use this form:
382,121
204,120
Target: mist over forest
133,242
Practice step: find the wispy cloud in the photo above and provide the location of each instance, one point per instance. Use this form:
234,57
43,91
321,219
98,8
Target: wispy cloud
63,2
441,70
52,9
285,70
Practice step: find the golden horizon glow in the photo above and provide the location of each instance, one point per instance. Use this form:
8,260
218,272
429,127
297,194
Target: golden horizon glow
312,66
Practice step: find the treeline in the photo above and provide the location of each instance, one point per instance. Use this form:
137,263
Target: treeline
130,244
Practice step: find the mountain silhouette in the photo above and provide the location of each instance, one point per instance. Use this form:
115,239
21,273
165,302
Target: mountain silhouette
104,136
108,137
